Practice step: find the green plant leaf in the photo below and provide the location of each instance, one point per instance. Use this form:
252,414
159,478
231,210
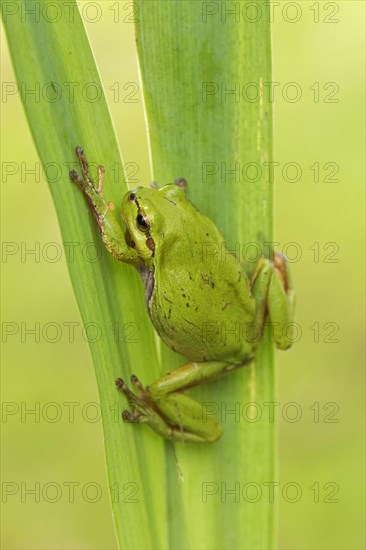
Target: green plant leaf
203,74
55,57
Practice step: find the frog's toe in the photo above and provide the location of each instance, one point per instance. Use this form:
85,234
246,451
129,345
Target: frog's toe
140,388
74,176
141,408
122,386
129,416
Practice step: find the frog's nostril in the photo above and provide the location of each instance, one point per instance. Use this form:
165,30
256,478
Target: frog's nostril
133,195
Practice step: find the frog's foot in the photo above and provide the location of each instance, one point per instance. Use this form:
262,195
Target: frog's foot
282,270
93,194
165,420
86,179
141,408
274,294
181,182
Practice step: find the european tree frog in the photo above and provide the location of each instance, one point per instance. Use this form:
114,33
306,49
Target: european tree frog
190,297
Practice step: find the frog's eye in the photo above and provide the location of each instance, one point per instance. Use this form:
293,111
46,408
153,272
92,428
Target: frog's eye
142,222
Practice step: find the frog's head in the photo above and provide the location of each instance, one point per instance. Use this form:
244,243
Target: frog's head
153,216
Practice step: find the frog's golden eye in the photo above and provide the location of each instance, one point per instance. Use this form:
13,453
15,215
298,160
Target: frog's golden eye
142,223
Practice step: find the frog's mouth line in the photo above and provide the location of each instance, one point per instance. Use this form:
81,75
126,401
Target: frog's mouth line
131,243
128,237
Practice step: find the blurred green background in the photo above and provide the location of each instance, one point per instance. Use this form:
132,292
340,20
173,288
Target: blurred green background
320,381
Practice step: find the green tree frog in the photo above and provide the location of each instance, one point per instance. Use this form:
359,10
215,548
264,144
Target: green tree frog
195,299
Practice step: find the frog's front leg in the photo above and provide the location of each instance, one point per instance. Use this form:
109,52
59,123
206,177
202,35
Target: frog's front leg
274,294
171,413
110,229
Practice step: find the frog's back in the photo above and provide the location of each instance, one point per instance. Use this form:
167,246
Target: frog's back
201,306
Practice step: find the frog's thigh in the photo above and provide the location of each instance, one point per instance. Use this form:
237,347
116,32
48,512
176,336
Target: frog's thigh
187,415
190,418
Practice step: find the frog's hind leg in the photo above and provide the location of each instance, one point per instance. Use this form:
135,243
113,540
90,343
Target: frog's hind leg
172,413
274,295
144,412
173,417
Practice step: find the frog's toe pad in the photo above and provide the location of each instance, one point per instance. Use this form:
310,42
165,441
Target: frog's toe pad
122,386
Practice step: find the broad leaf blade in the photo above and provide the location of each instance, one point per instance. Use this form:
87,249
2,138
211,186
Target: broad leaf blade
195,64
